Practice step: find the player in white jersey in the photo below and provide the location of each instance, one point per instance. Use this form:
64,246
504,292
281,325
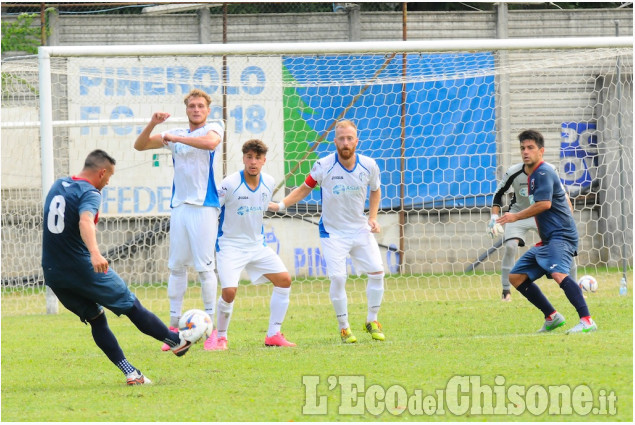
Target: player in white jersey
515,233
194,203
244,197
344,178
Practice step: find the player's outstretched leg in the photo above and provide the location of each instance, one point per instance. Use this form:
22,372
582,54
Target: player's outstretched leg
107,342
148,323
166,347
337,292
575,297
374,295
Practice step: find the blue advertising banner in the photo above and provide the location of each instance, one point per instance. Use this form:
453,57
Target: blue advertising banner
578,156
450,135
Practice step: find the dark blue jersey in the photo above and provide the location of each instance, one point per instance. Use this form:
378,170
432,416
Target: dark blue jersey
62,244
556,222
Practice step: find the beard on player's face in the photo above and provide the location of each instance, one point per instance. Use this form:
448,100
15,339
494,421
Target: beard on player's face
345,152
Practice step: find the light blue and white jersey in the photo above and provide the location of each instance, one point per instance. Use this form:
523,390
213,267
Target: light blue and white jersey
242,211
344,193
193,169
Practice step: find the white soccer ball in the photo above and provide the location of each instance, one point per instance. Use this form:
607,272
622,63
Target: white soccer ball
195,324
588,283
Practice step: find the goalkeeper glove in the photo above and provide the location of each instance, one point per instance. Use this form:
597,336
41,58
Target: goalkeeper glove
493,228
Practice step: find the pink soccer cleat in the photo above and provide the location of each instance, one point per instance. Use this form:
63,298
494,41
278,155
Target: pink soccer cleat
278,340
166,347
221,344
211,341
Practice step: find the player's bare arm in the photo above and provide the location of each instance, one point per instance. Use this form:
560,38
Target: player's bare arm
296,195
374,198
88,232
207,142
146,140
532,211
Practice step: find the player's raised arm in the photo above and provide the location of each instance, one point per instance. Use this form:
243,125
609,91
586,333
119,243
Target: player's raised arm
296,195
146,140
207,142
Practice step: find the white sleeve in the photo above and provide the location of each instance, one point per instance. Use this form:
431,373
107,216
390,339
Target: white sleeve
375,180
217,128
223,190
317,172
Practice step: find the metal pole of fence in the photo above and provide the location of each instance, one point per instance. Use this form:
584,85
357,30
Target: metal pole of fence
224,92
402,188
618,77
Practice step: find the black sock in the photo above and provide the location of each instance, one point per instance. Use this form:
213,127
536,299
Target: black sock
532,292
574,295
105,339
148,323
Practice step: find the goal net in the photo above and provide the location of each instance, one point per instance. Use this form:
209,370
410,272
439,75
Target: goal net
441,121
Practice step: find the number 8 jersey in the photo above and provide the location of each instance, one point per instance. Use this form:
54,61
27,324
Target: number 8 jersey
62,244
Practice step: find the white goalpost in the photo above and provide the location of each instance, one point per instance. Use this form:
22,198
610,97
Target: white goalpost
440,117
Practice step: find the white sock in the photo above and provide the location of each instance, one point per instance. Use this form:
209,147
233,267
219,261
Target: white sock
374,294
339,300
209,285
177,285
223,316
278,305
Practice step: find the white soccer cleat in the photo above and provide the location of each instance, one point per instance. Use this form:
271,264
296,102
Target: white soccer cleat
137,378
583,326
555,322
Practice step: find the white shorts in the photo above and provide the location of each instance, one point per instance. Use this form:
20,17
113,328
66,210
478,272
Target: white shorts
518,229
362,248
193,231
256,262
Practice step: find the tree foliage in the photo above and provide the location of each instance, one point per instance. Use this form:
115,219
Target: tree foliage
21,35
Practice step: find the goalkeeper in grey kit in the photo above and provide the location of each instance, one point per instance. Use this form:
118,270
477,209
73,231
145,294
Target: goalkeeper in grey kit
514,234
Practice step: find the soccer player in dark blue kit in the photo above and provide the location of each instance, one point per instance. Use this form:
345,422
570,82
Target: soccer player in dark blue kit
79,275
559,239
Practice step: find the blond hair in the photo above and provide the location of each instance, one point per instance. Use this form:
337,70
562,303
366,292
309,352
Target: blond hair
197,93
345,123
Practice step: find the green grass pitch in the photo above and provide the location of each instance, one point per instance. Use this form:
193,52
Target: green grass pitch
52,370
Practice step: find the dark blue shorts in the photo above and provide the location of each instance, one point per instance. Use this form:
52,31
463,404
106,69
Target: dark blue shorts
555,257
84,292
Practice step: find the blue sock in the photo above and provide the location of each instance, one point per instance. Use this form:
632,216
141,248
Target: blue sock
105,339
532,292
574,295
148,323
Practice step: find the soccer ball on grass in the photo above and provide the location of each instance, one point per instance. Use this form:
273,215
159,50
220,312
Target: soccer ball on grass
195,324
588,283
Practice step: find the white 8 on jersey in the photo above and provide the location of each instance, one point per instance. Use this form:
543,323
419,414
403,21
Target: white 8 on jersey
55,219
